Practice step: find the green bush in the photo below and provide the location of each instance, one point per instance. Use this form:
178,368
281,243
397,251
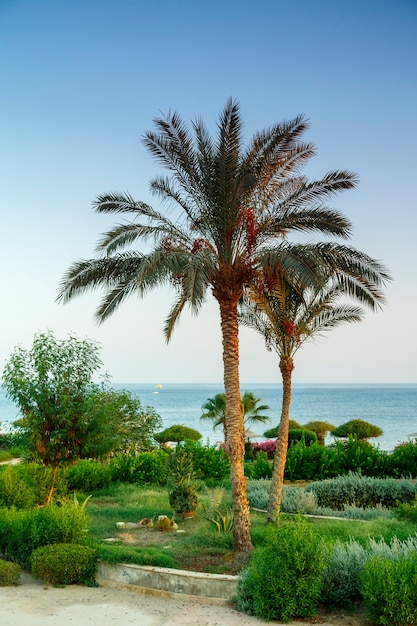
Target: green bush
358,429
210,462
27,484
344,563
355,455
312,462
14,491
404,460
143,468
183,499
22,531
283,580
259,468
301,434
88,475
9,573
272,433
362,491
407,511
64,564
177,433
388,589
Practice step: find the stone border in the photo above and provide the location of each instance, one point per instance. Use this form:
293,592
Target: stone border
168,582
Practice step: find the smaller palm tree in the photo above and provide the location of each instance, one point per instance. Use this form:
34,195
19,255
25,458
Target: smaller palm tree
251,410
288,313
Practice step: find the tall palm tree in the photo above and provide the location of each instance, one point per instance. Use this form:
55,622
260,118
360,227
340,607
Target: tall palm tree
288,314
252,412
232,201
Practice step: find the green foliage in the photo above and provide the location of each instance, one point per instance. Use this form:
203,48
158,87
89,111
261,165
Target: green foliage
407,511
118,423
403,460
183,499
362,491
22,531
14,491
181,467
209,462
27,484
219,514
64,564
143,468
9,573
313,462
272,433
357,428
344,563
139,556
301,434
356,455
88,475
177,433
321,429
259,468
5,456
50,384
388,590
284,577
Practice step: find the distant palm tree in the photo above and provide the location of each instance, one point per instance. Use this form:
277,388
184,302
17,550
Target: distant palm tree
234,203
287,315
215,410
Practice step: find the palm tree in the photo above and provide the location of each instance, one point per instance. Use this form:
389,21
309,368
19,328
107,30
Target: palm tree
233,202
215,410
287,315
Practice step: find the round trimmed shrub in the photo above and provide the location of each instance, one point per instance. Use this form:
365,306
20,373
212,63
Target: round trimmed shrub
284,577
9,573
64,564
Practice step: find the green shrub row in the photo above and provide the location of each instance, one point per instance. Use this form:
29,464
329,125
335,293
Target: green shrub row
23,531
296,570
362,491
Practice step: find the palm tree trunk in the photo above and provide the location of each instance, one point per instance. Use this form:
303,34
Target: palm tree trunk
286,366
234,430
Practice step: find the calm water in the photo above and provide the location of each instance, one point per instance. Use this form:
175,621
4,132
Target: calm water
391,407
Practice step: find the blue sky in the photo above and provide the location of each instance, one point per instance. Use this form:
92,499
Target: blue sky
82,80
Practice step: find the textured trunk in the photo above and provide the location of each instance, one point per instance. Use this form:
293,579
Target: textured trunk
286,366
234,430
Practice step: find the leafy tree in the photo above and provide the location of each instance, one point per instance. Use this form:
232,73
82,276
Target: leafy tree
177,433
236,203
272,433
118,423
50,383
321,429
357,428
288,313
215,408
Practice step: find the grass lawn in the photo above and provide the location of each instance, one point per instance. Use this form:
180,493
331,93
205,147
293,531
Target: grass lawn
197,545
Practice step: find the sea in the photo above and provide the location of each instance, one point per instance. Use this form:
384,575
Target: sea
392,407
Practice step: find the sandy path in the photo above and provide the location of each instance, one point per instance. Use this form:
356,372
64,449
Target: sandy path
34,604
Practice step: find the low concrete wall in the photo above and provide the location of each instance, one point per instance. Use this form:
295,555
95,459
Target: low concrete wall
167,581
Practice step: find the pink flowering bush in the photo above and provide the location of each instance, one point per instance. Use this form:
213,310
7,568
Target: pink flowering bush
265,446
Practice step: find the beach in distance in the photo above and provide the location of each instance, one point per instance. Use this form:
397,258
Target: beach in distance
392,407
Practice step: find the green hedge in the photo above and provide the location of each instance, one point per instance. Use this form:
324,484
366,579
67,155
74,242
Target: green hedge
22,531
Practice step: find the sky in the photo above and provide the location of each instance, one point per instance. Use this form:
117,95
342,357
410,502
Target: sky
82,80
